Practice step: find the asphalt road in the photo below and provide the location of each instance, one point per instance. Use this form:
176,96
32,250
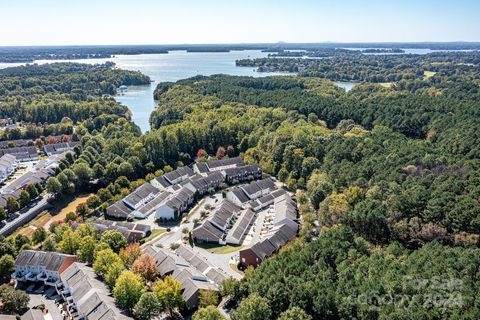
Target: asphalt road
26,217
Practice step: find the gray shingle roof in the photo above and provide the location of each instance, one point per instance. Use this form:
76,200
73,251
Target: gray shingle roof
224,213
51,261
32,314
185,266
241,225
243,170
237,161
17,143
263,249
179,199
56,148
162,181
90,294
21,152
155,202
242,197
140,194
181,172
207,232
285,208
119,210
255,186
201,167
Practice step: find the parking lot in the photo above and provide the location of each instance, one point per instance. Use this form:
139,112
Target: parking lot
43,295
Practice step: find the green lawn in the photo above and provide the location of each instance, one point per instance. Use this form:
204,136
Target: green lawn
218,248
234,268
155,232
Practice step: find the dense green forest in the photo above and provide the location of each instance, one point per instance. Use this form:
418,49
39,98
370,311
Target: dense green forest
441,69
397,169
47,93
419,171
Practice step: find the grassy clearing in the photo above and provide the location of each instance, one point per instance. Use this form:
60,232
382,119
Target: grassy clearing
64,206
218,248
235,268
428,74
386,84
57,213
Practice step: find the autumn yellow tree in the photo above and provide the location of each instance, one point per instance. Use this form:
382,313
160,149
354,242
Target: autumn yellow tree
169,294
208,298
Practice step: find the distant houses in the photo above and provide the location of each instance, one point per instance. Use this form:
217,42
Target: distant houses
57,148
22,154
37,175
171,194
132,231
16,143
217,165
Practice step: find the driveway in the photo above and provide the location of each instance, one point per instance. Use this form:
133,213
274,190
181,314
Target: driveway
175,235
53,311
221,261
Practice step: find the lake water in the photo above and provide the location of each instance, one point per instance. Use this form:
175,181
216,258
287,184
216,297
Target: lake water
173,66
178,65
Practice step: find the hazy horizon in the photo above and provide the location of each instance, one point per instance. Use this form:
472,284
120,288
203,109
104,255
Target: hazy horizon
238,43
144,22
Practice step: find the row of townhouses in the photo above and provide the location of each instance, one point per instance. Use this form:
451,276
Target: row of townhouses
22,154
37,175
132,231
228,224
171,194
231,222
40,266
8,164
283,228
254,190
85,296
24,142
57,148
192,271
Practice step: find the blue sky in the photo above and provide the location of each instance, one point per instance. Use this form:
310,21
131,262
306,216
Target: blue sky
65,22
